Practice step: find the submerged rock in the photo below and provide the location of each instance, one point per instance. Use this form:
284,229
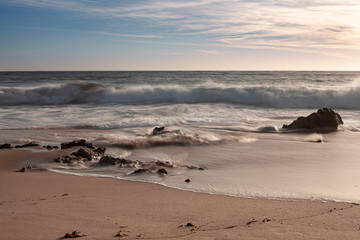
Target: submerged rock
30,144
163,130
158,130
324,120
100,151
69,159
162,171
141,170
76,143
123,163
108,160
49,147
164,164
87,154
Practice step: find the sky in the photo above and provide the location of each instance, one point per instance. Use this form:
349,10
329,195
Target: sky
179,35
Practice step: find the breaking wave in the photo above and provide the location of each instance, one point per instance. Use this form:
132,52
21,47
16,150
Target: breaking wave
173,140
262,96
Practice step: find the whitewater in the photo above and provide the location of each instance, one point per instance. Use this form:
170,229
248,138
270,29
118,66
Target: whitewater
227,123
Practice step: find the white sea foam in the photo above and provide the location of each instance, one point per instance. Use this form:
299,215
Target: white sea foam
172,139
261,96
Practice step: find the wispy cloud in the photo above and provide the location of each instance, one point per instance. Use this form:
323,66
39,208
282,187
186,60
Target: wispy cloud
207,52
322,27
125,35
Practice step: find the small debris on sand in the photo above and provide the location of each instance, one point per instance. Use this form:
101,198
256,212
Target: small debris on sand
251,221
187,180
266,220
74,234
121,234
189,225
233,226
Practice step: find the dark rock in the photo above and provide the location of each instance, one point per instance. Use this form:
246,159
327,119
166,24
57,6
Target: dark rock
49,147
30,144
74,234
187,180
22,170
100,151
126,163
87,154
5,146
324,120
163,130
189,224
69,159
82,155
90,154
141,170
76,143
108,160
29,167
121,234
162,171
158,130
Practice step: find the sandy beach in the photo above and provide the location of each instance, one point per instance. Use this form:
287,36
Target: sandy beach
39,204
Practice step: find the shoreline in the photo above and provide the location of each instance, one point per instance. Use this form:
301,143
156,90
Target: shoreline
46,205
204,192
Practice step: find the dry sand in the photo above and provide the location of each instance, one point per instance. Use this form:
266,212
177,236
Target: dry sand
45,205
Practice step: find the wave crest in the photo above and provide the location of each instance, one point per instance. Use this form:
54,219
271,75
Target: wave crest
96,93
180,139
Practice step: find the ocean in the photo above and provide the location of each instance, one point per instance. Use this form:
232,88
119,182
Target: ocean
228,124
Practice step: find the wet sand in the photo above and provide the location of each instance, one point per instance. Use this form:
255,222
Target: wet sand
43,205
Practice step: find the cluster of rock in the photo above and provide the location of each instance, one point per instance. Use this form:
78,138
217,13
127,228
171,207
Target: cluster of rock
83,154
324,120
89,153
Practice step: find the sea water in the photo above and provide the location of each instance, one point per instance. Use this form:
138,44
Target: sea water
230,125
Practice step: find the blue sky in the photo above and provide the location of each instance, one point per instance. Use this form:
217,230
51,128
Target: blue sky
179,35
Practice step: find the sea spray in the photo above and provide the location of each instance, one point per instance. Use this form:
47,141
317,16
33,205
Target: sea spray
260,96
